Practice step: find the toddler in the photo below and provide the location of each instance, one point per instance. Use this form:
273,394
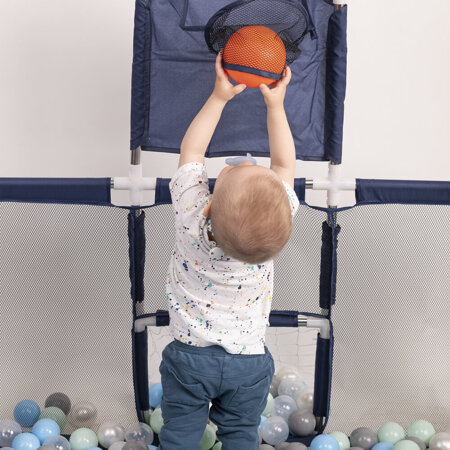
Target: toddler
220,279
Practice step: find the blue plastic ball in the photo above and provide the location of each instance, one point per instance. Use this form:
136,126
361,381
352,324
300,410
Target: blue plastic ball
45,428
25,441
263,419
152,447
93,448
27,413
324,442
155,394
383,446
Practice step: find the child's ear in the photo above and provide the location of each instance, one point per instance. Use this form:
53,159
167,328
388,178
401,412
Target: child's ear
207,209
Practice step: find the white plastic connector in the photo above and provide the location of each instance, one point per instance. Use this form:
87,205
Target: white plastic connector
322,324
333,184
144,322
135,183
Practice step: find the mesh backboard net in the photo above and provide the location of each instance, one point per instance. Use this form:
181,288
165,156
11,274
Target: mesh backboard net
66,316
391,317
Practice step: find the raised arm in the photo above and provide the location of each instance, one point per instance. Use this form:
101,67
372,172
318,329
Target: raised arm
201,129
281,142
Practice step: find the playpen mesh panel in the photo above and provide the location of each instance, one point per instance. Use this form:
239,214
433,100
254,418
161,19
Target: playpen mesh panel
391,317
296,273
66,316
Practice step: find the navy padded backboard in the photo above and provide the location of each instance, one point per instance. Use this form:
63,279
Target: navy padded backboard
173,75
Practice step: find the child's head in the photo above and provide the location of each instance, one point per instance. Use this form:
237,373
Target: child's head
250,214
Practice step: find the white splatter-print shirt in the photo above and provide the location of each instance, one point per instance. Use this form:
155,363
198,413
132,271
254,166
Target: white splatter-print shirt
213,299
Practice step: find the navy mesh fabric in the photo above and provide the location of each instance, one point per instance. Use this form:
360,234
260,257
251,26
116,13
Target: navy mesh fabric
173,75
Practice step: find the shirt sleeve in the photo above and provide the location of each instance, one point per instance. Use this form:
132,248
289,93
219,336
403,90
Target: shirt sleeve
293,199
190,194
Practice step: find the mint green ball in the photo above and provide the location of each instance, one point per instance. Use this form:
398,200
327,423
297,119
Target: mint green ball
83,438
406,445
342,438
209,438
268,405
391,432
156,420
421,429
56,414
217,446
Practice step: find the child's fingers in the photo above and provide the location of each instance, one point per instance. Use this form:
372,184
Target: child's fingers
286,76
264,89
219,69
239,88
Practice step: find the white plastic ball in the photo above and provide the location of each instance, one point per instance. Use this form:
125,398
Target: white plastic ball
283,406
305,398
139,432
274,430
83,415
110,432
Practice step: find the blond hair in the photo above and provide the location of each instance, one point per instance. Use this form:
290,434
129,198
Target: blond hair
251,220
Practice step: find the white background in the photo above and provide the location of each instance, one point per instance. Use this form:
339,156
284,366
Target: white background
65,81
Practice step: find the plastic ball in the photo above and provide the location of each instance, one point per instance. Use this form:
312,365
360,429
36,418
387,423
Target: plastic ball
256,47
343,440
263,419
152,447
273,389
421,429
268,405
282,446
217,446
391,432
305,398
360,448
418,441
83,415
290,387
83,438
59,442
156,420
274,430
93,448
383,446
45,428
59,400
46,447
288,373
117,445
208,438
265,447
110,432
297,446
324,442
441,440
9,429
363,437
302,422
27,413
283,406
56,414
155,395
139,432
25,441
406,445
7,448
135,445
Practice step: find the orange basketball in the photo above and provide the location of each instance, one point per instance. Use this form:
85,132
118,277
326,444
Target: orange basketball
254,55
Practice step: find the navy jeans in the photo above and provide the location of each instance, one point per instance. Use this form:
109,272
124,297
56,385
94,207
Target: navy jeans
236,385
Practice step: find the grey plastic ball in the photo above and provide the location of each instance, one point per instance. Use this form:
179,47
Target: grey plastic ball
418,441
59,400
297,446
282,446
47,447
355,448
441,440
266,447
302,422
135,445
364,437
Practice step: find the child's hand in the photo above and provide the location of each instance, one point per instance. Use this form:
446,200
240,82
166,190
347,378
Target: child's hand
274,96
223,89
